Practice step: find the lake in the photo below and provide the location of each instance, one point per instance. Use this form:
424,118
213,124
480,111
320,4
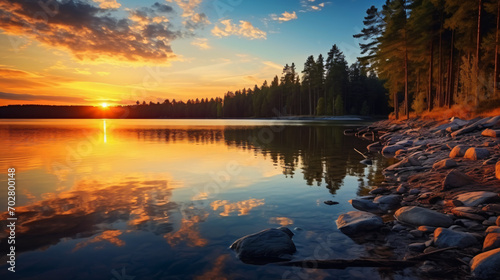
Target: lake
164,199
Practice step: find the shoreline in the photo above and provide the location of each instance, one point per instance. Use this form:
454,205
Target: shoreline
443,193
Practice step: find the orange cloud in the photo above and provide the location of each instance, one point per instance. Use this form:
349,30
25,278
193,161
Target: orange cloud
245,30
243,207
108,4
286,16
88,32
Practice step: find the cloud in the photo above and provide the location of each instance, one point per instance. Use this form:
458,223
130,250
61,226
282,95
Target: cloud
272,65
188,6
201,43
196,21
90,33
108,4
312,5
226,28
162,8
32,97
286,16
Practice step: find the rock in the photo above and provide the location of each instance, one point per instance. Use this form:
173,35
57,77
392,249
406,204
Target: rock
398,228
375,147
388,202
468,128
492,229
268,245
458,151
445,164
391,149
365,205
444,238
418,247
492,241
401,189
491,133
379,190
467,212
416,233
495,208
456,179
426,229
414,192
366,161
453,203
355,222
330,202
498,221
497,170
405,143
472,199
469,224
486,265
419,216
476,153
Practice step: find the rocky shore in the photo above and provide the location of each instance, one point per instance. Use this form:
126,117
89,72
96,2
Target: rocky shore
443,193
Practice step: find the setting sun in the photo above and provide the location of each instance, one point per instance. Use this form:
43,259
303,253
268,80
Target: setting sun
104,105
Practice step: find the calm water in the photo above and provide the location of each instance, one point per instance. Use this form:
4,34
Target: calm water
163,199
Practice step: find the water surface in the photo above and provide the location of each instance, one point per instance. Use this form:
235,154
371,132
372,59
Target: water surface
163,199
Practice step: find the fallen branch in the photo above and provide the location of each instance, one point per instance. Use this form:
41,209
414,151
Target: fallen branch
424,255
341,264
361,153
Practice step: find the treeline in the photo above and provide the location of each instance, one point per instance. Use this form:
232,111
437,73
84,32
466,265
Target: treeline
327,87
434,53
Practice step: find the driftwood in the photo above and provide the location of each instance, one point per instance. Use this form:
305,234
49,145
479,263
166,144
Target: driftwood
361,153
341,264
425,255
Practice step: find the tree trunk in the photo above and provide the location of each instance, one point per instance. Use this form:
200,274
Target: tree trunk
440,71
429,89
495,80
449,90
407,108
477,50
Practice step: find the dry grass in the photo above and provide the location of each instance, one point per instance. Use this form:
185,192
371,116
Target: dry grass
465,112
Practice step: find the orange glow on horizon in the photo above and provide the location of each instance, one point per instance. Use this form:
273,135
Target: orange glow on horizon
104,105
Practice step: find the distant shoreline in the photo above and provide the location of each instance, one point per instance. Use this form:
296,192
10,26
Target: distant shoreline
282,118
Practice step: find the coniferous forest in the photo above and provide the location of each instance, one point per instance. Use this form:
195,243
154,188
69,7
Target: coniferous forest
433,54
417,56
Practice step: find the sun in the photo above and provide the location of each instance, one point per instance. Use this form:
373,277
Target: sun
104,105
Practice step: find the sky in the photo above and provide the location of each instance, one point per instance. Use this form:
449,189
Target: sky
88,52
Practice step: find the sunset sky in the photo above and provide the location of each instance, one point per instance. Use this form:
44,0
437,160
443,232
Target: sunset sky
120,51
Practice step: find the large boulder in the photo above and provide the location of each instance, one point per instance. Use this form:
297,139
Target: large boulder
456,179
458,151
491,133
354,222
419,216
365,205
486,265
272,244
444,238
492,241
476,153
472,199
